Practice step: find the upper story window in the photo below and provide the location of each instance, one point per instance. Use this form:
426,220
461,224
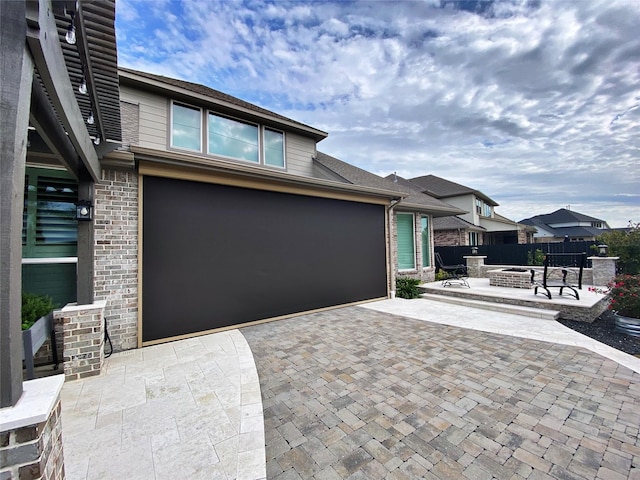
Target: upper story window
226,137
487,210
186,123
231,138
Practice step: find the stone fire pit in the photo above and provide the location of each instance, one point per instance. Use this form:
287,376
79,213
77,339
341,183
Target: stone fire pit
510,277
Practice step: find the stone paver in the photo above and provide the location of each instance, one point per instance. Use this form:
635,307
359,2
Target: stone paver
356,393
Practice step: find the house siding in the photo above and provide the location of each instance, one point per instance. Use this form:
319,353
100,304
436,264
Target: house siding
116,254
152,114
147,126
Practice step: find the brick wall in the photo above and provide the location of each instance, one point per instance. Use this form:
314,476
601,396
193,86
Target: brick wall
423,274
83,331
447,238
116,254
34,451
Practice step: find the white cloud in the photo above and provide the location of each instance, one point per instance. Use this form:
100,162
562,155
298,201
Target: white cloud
534,103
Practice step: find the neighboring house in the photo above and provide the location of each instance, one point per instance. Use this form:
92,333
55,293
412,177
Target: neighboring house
456,231
491,228
411,219
566,225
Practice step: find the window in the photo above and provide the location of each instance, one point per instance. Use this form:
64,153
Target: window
273,148
406,246
426,244
49,226
231,138
473,238
186,123
487,210
478,206
226,137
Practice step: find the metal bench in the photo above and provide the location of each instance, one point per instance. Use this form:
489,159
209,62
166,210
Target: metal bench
456,274
560,277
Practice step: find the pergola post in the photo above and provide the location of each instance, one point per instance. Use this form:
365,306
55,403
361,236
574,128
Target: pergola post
16,76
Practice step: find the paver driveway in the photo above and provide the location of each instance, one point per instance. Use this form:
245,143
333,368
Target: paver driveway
354,393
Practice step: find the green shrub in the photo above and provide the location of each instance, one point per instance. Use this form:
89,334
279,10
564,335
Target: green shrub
33,307
624,244
407,287
440,275
536,257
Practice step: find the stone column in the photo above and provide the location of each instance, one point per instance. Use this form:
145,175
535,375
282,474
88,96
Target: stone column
475,265
604,270
31,433
83,351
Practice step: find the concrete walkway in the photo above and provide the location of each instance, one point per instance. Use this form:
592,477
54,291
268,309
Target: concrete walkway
362,393
391,389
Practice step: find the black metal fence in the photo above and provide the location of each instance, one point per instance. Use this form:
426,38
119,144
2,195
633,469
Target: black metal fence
522,254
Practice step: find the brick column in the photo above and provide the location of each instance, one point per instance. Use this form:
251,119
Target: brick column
604,270
31,433
83,351
475,263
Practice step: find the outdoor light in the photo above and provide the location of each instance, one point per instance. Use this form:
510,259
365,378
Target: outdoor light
70,37
84,210
96,141
474,250
83,86
602,250
90,119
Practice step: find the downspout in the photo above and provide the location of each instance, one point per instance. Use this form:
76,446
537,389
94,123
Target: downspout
391,283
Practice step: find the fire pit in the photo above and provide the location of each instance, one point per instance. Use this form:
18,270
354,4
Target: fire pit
510,277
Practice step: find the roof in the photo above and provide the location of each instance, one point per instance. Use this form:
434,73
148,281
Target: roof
455,223
563,215
442,188
411,197
216,97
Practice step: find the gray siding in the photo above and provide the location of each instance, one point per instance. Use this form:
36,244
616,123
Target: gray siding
300,151
152,115
152,111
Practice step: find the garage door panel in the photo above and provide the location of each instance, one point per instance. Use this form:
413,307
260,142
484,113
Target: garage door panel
216,255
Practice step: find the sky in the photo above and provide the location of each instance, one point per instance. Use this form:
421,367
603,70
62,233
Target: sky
535,103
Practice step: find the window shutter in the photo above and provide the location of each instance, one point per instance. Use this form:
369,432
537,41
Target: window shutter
406,246
55,214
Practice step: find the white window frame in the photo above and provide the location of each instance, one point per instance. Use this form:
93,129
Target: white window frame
191,107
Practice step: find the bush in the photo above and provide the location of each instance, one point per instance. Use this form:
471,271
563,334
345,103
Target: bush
33,307
440,275
536,257
624,293
407,287
626,245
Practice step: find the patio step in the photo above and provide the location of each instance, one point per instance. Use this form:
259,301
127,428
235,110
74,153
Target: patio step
543,314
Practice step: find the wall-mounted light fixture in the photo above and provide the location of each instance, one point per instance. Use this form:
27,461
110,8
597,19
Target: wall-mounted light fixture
90,119
84,211
602,250
474,250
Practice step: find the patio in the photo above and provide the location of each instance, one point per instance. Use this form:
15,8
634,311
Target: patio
194,408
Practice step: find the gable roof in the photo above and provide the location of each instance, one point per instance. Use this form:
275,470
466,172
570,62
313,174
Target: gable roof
224,102
411,197
547,222
563,215
443,188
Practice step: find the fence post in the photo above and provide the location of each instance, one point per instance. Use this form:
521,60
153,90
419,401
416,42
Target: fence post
604,270
475,264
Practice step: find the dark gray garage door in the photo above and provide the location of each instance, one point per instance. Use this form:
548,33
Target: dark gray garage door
217,255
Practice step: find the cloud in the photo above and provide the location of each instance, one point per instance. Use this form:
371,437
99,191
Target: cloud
533,103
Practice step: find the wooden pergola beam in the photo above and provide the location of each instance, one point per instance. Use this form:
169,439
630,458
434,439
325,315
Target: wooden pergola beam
42,38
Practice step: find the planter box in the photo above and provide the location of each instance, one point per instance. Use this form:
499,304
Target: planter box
34,337
627,325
